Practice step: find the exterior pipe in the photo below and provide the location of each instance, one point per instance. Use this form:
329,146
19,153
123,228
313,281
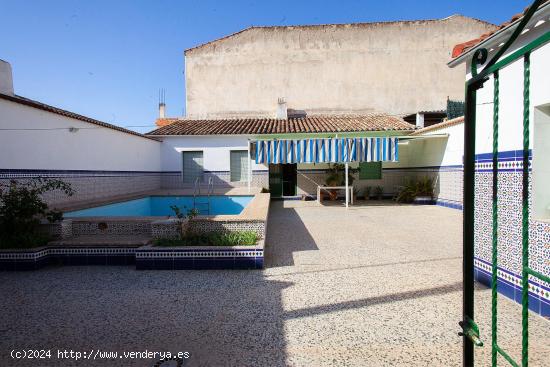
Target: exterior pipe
347,183
249,169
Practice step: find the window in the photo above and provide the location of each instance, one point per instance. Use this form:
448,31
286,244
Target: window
370,170
541,164
239,165
192,166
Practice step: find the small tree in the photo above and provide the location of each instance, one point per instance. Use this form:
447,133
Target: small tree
22,207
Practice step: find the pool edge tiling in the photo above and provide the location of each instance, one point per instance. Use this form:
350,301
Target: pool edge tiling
160,206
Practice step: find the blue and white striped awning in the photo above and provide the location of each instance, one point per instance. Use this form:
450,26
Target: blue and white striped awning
329,150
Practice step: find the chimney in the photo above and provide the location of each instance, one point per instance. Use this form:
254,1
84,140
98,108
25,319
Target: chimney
162,104
281,109
419,120
6,81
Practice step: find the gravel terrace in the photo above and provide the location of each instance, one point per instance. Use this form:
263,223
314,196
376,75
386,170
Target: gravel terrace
369,286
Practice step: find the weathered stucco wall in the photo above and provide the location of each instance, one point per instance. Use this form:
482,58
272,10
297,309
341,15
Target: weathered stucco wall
396,67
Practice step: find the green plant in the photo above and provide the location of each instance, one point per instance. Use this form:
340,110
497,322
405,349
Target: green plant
22,207
367,192
178,213
336,174
235,238
407,192
425,187
413,189
192,213
378,192
264,190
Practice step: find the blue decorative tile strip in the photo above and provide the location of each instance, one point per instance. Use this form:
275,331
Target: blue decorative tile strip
508,161
144,257
153,258
509,285
449,204
38,258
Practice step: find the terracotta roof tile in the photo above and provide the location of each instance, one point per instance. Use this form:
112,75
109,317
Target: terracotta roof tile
465,46
310,124
441,125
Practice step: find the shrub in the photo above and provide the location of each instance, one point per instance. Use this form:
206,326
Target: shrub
378,192
336,174
236,238
22,207
412,189
367,192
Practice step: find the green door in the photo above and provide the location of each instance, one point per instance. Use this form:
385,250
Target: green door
276,180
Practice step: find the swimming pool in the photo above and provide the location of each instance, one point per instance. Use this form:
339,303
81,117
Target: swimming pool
152,206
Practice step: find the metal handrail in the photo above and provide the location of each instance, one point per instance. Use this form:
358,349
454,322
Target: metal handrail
197,187
210,187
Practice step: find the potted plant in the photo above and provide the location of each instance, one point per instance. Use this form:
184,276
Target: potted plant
378,192
424,191
367,192
418,192
336,177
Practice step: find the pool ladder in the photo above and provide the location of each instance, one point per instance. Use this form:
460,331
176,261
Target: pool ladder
197,204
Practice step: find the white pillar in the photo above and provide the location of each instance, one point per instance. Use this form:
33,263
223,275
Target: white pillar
419,120
347,188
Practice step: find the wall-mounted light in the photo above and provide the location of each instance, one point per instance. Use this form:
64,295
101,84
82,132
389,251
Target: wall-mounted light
73,129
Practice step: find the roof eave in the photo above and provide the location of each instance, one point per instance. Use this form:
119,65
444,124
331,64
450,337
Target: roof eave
496,37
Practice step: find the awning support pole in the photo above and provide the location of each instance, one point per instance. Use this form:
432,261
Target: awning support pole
249,173
347,186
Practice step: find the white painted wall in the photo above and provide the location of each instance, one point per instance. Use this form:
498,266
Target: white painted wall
511,114
53,147
396,67
216,151
511,96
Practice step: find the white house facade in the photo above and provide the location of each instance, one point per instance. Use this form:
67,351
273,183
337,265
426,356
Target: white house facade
523,92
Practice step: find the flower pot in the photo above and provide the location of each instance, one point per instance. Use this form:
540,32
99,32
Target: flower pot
423,200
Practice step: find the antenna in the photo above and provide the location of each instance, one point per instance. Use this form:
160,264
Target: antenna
162,103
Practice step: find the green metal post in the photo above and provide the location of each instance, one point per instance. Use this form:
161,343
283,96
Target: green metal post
468,207
494,280
525,217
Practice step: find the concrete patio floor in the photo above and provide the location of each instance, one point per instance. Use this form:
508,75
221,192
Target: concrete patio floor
368,286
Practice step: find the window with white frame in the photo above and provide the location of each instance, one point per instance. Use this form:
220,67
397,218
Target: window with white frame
192,166
541,163
239,165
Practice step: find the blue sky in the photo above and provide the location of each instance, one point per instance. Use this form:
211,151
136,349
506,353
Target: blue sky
108,59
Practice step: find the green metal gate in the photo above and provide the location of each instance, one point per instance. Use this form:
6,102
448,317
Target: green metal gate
470,330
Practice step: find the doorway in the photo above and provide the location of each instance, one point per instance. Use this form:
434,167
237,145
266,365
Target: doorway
282,180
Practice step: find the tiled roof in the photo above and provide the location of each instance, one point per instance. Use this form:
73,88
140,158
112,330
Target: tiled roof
465,46
441,125
59,111
310,124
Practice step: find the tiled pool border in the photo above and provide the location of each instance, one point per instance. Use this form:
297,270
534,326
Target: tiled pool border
144,257
184,258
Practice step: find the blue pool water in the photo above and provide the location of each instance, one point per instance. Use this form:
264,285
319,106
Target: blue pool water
160,206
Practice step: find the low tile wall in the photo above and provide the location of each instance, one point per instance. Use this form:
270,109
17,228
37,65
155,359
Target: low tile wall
59,230
238,257
172,180
112,226
509,234
89,185
206,225
447,180
34,259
